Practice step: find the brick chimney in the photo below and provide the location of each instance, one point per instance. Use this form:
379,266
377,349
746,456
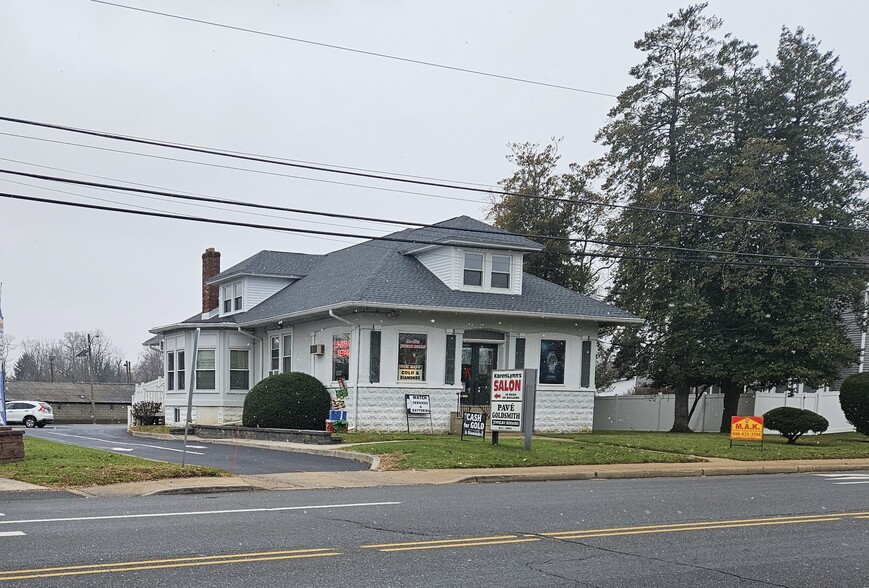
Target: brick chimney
210,268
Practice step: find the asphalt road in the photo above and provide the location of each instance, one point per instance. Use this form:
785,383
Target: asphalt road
736,531
236,459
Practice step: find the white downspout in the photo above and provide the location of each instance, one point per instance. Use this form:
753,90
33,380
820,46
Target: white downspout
358,354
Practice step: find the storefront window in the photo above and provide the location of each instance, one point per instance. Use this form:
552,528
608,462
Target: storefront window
411,357
552,361
340,356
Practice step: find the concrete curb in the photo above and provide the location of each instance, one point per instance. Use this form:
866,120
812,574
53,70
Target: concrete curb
372,460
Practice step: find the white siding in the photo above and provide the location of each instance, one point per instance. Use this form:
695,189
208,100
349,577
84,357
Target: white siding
258,289
444,262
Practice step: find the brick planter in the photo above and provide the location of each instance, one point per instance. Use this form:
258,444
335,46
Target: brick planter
11,445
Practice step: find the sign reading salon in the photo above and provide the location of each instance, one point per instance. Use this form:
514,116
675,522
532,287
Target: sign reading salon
506,400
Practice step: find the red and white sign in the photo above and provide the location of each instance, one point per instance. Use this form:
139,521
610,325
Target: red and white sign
507,385
506,400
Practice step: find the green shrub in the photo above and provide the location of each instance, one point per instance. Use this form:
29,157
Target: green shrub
854,399
145,412
793,423
287,401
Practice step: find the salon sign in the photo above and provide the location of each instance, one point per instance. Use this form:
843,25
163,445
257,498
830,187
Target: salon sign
506,400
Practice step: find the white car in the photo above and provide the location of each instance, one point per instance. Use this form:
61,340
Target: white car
30,413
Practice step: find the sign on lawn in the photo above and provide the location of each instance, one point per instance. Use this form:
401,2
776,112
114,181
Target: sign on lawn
474,424
417,404
506,400
746,428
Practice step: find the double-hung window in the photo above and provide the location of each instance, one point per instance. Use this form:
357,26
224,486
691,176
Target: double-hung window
287,354
500,271
473,269
227,299
175,370
236,294
239,369
205,365
275,363
170,370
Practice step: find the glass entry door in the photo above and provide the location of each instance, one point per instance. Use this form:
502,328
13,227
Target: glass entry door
478,361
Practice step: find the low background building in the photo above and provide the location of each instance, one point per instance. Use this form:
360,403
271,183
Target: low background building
71,402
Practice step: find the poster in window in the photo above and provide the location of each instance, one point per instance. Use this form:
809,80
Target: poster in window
552,361
340,356
411,357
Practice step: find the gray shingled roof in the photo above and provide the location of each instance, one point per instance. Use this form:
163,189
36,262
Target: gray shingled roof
379,273
271,263
466,230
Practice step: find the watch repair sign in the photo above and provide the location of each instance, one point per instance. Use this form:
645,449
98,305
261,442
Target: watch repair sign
506,400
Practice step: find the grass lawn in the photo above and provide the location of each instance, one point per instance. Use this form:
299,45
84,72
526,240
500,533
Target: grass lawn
775,447
425,451
449,451
48,463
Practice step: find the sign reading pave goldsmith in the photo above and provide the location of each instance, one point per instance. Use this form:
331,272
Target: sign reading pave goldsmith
506,400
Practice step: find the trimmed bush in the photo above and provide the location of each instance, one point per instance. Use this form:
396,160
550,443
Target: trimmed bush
287,401
145,412
793,423
854,399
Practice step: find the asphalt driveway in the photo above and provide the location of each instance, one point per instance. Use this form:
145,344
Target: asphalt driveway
233,458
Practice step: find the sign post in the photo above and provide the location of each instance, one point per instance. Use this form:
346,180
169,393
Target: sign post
746,428
506,402
529,404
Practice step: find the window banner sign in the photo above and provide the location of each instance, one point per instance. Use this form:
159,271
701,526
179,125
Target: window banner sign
474,425
410,373
746,428
552,354
506,400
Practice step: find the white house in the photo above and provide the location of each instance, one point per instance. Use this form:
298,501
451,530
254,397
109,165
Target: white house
427,311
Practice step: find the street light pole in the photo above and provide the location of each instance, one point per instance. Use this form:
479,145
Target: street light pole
91,374
89,353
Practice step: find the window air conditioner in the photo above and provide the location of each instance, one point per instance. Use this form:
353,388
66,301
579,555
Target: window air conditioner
318,349
274,372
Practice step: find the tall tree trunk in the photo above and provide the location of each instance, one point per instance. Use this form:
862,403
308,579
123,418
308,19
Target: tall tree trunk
680,408
731,404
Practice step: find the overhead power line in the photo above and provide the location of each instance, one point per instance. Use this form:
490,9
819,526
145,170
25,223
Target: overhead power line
405,223
813,266
354,50
407,180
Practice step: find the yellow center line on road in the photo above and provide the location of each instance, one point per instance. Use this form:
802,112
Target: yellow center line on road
614,532
463,539
458,544
157,564
589,535
704,524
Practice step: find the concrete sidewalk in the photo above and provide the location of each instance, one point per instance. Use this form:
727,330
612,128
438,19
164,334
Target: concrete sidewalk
374,478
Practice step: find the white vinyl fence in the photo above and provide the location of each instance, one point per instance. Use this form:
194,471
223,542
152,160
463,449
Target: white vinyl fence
148,392
655,412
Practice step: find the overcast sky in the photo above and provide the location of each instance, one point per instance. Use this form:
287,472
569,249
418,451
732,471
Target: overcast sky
90,65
